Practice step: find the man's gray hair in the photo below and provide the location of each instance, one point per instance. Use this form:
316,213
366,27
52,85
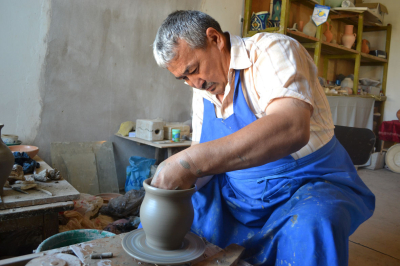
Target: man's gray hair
187,25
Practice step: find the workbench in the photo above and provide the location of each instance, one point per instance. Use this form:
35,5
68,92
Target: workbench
109,244
161,145
28,219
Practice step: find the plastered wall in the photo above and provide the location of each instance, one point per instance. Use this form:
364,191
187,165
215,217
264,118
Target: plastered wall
74,70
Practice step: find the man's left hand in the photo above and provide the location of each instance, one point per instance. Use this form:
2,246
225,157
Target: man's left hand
177,172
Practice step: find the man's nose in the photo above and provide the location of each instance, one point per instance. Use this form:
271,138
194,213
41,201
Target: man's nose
196,82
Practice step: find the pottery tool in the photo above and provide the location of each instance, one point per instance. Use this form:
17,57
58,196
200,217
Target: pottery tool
19,190
25,185
101,255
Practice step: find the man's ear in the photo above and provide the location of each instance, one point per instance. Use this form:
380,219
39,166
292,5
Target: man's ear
216,38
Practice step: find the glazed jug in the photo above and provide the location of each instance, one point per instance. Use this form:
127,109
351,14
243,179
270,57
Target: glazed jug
6,162
310,29
328,34
349,37
166,216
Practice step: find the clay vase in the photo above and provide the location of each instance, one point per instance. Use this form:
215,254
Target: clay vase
398,115
365,47
349,37
347,83
166,216
310,29
301,25
328,34
6,162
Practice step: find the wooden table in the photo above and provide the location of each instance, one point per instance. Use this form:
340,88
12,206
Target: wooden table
27,219
108,244
161,145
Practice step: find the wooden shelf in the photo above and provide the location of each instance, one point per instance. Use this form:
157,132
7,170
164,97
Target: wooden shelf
367,58
335,49
309,3
301,37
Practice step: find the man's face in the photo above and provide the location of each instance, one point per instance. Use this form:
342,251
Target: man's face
204,69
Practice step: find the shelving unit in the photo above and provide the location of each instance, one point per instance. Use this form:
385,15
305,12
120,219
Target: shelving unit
327,56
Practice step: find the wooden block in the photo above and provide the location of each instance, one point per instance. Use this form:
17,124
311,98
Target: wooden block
227,257
150,129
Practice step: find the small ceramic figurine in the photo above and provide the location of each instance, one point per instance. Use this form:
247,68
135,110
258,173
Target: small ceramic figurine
365,46
349,37
328,34
310,29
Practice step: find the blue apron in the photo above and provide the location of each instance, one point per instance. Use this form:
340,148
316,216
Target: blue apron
289,212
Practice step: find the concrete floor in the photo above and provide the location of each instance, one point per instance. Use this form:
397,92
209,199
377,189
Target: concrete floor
377,241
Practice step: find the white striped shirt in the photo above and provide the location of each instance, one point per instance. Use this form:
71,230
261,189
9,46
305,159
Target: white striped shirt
271,66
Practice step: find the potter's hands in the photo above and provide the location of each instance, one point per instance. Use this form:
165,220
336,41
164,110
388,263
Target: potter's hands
177,172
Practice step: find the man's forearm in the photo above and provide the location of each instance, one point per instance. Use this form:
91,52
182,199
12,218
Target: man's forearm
267,139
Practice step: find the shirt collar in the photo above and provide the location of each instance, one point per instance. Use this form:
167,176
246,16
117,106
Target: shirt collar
239,56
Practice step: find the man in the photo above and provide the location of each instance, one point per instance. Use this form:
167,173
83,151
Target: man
279,183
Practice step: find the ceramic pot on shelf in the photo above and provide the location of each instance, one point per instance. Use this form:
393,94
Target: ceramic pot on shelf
365,46
6,162
347,83
166,216
349,37
328,34
310,29
301,25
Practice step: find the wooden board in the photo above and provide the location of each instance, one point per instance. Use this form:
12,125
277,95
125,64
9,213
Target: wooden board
62,191
162,144
88,166
25,212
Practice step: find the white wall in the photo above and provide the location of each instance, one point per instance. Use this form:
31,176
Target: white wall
23,32
377,41
227,12
73,70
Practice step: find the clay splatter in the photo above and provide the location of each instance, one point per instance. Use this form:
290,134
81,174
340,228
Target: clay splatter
294,219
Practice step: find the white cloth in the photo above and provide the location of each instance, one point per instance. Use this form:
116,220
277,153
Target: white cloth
272,66
352,111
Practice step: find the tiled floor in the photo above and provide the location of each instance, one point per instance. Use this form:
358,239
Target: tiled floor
377,241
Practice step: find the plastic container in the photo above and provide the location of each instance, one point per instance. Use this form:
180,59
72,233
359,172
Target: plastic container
71,238
176,135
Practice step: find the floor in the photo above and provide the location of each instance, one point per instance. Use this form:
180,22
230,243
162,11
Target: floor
377,241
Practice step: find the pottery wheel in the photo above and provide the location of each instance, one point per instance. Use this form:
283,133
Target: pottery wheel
134,243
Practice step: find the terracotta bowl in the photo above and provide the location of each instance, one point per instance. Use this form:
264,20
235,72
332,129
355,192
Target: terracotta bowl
30,150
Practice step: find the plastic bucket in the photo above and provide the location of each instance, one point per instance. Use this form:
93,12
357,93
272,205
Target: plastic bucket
71,238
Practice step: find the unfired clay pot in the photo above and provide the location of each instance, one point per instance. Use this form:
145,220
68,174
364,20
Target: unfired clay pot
310,29
349,37
328,34
166,216
6,163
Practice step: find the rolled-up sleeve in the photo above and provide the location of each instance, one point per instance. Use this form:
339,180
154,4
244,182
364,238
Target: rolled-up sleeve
281,68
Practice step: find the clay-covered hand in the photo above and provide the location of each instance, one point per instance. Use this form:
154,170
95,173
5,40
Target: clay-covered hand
177,172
